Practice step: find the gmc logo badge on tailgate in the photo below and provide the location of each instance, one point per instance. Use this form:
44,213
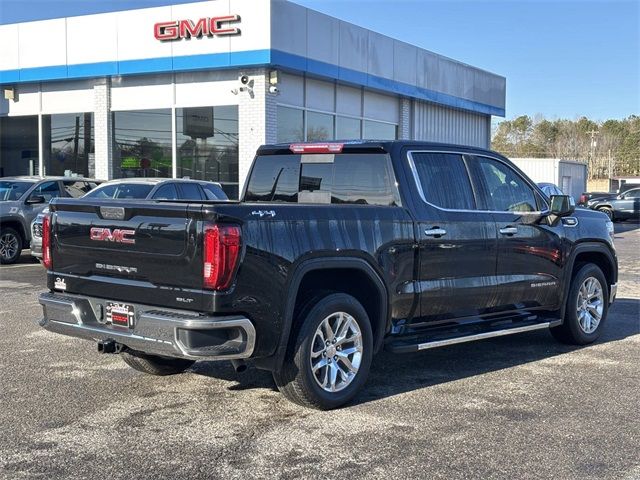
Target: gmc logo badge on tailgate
107,235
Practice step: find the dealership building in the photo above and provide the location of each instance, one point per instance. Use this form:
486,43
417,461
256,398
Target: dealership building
192,89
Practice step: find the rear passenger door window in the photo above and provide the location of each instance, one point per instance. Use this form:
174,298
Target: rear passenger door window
501,189
166,192
190,191
443,180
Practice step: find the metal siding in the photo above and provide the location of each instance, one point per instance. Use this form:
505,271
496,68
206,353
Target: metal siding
441,124
539,169
578,174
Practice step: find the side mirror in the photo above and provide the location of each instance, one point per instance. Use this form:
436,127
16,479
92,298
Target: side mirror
35,199
562,205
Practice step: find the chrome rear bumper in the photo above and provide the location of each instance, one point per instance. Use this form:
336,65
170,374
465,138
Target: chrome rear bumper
181,334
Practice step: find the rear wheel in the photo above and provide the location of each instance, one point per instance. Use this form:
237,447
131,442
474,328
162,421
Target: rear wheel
155,365
329,362
587,307
608,212
10,246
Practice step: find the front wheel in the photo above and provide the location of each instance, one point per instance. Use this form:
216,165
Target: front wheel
10,246
329,362
587,307
153,364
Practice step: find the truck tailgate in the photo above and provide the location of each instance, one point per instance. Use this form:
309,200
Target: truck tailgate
113,249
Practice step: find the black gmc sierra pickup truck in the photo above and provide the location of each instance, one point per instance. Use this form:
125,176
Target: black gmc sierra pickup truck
335,251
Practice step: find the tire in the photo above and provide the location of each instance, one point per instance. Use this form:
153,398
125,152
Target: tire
10,246
572,331
154,365
298,382
608,212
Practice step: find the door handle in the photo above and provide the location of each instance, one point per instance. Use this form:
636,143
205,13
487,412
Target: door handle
435,232
508,231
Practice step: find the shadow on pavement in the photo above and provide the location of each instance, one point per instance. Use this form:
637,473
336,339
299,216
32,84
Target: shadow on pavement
625,227
395,374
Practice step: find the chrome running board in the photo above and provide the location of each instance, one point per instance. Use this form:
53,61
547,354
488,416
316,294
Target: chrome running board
484,335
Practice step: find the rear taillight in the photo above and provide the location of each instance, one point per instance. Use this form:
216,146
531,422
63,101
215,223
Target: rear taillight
46,242
221,255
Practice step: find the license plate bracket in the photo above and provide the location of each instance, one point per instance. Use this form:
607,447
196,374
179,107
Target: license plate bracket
120,314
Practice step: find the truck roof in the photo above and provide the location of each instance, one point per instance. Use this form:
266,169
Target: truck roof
360,146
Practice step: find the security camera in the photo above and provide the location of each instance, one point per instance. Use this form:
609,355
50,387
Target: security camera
244,79
273,89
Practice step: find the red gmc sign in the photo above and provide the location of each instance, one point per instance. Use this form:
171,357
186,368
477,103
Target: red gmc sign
205,27
108,235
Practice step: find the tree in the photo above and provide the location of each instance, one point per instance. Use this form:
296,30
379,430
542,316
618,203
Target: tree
615,149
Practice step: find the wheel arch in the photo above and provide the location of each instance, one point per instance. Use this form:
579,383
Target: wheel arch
597,253
304,275
17,225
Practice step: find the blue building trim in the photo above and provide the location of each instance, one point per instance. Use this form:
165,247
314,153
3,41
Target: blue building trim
274,58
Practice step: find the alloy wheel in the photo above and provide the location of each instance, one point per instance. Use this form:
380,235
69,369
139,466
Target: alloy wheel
336,352
590,305
8,246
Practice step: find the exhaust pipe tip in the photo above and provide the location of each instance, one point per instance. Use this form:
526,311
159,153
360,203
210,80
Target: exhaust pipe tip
239,365
107,346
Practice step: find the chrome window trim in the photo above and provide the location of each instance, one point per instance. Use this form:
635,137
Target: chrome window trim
416,180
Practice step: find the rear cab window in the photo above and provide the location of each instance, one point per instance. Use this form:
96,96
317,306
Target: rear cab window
345,178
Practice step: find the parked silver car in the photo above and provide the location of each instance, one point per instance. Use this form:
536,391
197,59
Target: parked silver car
22,199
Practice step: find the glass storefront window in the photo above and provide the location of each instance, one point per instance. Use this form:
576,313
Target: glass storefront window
18,146
348,128
207,145
380,131
319,126
290,124
142,143
68,144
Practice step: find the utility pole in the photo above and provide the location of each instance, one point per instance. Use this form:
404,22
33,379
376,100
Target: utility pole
594,143
610,172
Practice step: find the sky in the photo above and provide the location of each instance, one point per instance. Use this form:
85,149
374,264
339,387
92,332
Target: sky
561,58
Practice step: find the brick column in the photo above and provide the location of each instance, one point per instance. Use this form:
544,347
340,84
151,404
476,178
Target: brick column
404,128
103,130
257,122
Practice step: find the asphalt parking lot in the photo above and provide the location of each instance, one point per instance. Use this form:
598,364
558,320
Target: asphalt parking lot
515,407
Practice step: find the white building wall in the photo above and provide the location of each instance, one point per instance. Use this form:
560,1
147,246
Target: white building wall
404,127
103,131
539,169
257,119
